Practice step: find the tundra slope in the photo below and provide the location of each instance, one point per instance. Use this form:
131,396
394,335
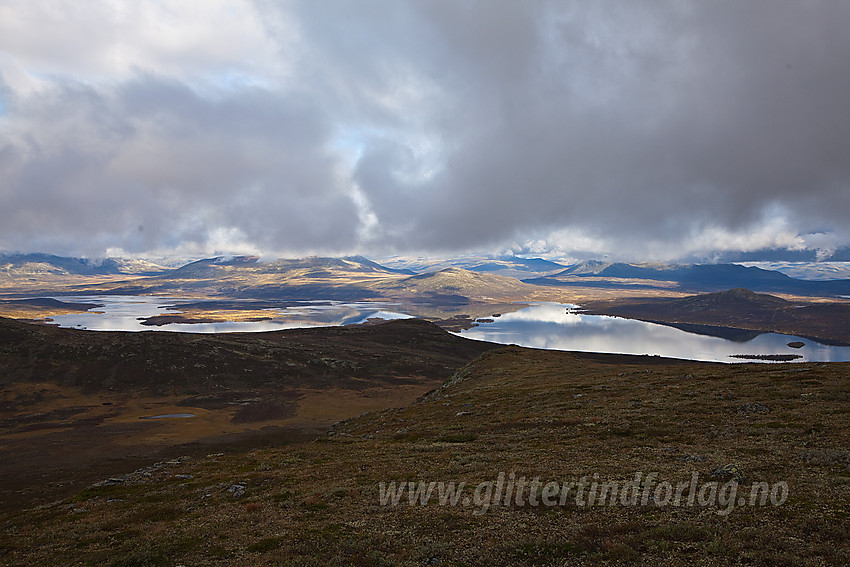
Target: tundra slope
71,400
550,415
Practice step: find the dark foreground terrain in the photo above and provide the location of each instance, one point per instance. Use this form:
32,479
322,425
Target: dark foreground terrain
71,401
556,416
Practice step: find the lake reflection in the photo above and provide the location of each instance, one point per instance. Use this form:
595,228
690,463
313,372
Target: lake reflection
126,313
542,325
557,327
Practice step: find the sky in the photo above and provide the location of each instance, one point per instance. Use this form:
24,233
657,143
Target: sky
639,130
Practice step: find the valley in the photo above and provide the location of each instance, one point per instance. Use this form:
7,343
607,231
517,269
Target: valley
454,294
395,283
256,448
284,495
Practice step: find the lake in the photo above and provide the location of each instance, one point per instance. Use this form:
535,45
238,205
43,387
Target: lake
539,325
559,327
126,313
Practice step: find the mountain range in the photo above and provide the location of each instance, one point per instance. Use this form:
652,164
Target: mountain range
689,277
24,265
358,277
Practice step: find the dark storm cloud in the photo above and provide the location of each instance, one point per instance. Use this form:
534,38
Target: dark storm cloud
634,129
649,123
152,153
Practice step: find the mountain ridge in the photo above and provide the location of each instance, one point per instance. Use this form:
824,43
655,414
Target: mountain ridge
697,277
50,264
738,308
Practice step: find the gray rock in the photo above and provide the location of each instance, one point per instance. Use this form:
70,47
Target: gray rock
732,471
754,408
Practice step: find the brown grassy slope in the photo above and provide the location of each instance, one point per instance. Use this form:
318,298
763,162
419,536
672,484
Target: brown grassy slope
181,363
739,308
553,415
457,281
70,400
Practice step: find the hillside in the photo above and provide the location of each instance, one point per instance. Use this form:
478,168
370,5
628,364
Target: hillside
808,270
504,265
689,277
33,265
312,267
733,301
289,279
352,278
514,413
738,309
71,400
461,283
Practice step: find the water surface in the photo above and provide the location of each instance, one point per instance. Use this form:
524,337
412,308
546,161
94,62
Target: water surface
127,313
559,327
540,325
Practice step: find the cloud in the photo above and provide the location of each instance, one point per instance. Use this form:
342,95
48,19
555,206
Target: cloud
192,39
95,166
650,129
